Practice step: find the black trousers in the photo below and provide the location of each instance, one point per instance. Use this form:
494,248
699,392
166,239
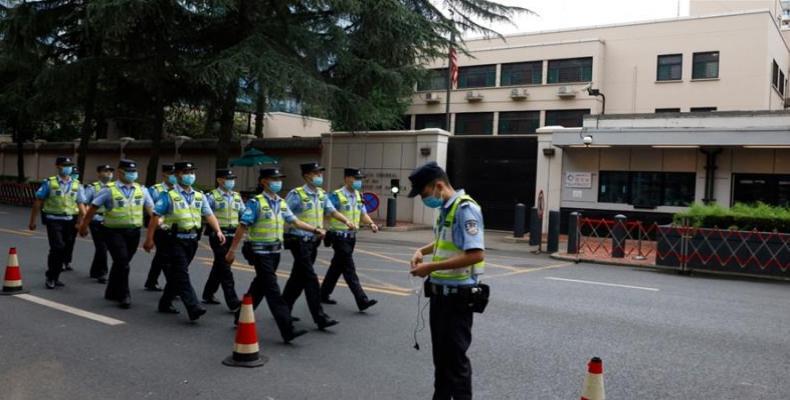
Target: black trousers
264,285
159,261
122,244
179,254
451,335
99,264
221,273
61,236
303,277
343,263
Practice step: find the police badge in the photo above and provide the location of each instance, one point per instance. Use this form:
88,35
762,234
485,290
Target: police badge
471,227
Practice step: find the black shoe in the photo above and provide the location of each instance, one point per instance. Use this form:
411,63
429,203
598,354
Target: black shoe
295,333
196,313
367,304
102,280
210,300
329,301
326,323
153,288
169,309
235,307
125,302
50,283
67,267
59,283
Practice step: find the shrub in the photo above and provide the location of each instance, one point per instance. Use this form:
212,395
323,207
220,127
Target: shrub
744,217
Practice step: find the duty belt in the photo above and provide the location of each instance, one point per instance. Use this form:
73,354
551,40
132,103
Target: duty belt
305,238
258,247
344,234
445,290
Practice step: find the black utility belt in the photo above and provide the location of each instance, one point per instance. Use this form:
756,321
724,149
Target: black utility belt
298,238
343,234
475,295
257,247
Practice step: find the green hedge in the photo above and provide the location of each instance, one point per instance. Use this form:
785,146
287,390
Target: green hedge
743,217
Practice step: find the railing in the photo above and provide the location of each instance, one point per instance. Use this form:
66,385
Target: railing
21,194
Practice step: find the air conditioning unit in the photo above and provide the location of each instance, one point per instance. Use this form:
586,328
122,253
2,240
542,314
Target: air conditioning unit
433,98
474,97
518,94
566,92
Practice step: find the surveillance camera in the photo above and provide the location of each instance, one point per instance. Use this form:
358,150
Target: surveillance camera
587,140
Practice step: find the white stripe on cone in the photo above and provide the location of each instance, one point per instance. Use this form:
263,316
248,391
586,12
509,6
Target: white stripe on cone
12,284
246,315
12,260
246,348
593,387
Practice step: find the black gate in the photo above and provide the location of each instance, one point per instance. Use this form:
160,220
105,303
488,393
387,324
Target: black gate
497,171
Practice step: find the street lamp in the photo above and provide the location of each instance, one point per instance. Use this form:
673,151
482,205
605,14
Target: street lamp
180,140
392,203
125,141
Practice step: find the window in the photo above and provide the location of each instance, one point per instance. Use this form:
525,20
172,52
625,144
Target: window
775,74
670,67
477,76
706,65
527,73
667,110
768,188
566,118
702,109
430,121
647,189
782,83
404,123
570,70
474,123
518,122
435,80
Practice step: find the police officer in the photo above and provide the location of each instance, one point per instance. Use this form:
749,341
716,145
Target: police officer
182,208
67,257
348,200
99,265
458,254
227,207
124,201
310,204
264,219
157,263
58,198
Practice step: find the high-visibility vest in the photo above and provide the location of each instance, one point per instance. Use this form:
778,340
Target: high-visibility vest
187,216
352,213
97,187
270,226
161,188
445,248
61,203
312,212
227,212
125,212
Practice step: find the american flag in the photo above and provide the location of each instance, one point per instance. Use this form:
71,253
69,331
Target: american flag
453,67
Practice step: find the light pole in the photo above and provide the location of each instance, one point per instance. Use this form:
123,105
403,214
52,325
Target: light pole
392,203
180,140
125,141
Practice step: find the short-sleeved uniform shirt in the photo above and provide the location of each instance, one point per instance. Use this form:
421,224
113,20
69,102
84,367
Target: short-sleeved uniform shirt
251,213
297,207
65,184
90,194
352,201
467,231
104,197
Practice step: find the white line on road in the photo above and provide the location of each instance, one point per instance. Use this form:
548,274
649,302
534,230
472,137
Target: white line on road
602,284
71,310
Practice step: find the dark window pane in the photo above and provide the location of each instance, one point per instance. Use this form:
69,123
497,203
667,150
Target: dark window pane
775,74
646,189
436,80
702,109
667,110
430,121
522,73
570,70
477,76
706,65
670,67
782,83
771,189
518,122
474,123
679,188
566,118
614,187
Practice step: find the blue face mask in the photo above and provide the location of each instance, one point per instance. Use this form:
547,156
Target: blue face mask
66,171
357,185
318,180
188,179
229,184
276,186
432,202
130,176
172,179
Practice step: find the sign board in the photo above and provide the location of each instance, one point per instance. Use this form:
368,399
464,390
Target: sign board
582,180
371,201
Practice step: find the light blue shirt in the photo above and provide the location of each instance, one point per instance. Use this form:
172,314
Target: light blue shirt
154,193
104,197
90,194
297,207
467,232
44,191
164,207
250,215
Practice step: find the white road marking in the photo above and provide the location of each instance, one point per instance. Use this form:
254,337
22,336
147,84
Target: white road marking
71,310
602,284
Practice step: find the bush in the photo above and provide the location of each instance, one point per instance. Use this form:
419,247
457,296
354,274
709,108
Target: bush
744,217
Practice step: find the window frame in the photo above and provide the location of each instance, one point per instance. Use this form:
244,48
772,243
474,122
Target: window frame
531,113
552,112
658,182
464,115
423,117
464,71
443,86
695,62
581,73
502,73
659,65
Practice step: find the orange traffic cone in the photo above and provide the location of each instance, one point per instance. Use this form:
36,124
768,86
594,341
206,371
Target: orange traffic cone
13,276
246,352
593,382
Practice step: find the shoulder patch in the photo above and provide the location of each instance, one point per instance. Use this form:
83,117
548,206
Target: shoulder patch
471,227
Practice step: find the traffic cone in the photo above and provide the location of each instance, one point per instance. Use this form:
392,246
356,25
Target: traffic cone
13,276
246,352
593,382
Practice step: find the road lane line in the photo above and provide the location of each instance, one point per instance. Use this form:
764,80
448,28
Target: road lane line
380,255
71,310
16,232
528,270
602,283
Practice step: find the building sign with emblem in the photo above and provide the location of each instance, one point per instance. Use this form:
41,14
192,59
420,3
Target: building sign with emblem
581,180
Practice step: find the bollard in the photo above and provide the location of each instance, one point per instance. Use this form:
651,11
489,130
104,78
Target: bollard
392,211
519,218
553,244
573,232
535,228
619,234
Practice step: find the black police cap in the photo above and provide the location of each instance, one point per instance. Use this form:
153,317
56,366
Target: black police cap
64,161
104,167
311,167
225,173
424,175
127,165
353,172
270,173
184,166
168,168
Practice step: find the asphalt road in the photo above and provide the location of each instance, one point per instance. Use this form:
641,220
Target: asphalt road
661,336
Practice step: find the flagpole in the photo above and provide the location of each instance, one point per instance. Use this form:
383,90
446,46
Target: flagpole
449,79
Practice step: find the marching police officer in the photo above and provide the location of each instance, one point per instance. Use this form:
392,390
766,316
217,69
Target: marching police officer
58,198
227,207
99,265
124,201
264,218
348,200
67,257
453,283
157,263
310,204
182,208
